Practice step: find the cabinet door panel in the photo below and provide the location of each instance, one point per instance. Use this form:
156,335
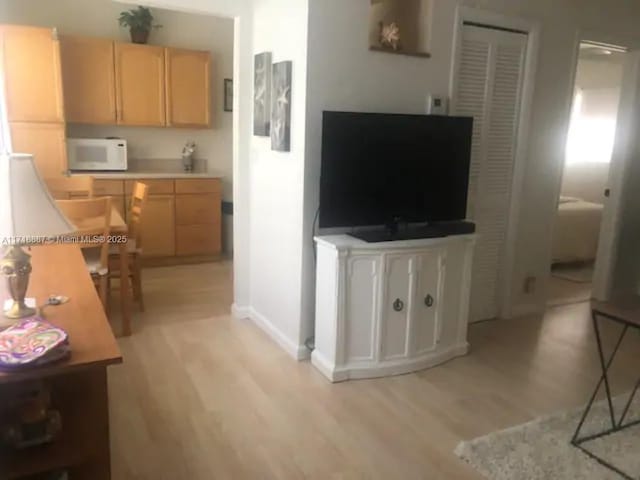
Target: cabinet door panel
428,308
400,280
198,209
88,74
32,76
198,240
46,142
140,84
158,226
102,187
188,77
361,308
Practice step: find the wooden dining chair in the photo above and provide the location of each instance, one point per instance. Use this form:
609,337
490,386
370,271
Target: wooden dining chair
135,217
69,188
92,219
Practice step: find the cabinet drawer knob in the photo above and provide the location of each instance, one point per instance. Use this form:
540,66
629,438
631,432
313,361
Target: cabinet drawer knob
398,305
428,301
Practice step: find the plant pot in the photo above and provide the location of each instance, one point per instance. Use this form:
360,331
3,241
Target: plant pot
139,35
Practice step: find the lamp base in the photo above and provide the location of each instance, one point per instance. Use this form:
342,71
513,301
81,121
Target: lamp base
16,267
17,311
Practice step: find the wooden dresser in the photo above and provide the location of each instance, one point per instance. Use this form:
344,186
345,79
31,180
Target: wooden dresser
78,385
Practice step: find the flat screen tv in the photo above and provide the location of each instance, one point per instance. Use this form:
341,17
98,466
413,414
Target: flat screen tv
380,169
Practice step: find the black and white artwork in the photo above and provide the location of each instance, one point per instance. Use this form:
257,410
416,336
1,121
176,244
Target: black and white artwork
262,94
281,107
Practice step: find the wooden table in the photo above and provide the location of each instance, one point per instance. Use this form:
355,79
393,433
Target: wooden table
79,384
119,228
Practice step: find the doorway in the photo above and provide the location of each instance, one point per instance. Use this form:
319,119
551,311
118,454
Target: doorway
589,149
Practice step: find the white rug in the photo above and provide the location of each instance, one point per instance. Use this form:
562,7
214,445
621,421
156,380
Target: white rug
541,449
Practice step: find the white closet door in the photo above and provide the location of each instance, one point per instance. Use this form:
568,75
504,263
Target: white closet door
490,70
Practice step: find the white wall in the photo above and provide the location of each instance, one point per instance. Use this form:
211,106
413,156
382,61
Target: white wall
343,75
98,18
277,184
585,180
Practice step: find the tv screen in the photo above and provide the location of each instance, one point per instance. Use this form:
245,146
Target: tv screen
377,168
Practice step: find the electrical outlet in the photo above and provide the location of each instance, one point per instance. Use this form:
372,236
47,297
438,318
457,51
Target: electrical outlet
529,284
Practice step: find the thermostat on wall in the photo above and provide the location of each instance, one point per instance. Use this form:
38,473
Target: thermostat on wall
437,105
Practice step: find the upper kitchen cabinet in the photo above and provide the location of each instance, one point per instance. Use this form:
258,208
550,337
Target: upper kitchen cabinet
45,141
32,74
88,76
188,76
140,84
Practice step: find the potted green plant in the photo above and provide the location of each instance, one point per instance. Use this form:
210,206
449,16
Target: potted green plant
140,22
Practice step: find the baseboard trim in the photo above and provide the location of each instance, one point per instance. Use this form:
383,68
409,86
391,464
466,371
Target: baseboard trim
240,312
298,352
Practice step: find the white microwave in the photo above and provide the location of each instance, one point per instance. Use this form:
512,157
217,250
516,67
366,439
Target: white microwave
104,154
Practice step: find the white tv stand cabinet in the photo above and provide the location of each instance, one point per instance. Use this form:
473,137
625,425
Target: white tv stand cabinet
392,307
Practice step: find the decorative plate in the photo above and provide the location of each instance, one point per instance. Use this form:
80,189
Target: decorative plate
31,342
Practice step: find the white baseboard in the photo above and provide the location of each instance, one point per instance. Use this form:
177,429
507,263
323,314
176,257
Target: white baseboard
240,312
298,352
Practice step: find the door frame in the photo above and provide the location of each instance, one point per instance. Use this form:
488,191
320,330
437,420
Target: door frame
595,36
532,28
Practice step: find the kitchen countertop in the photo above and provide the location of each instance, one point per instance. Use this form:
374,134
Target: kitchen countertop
156,168
129,175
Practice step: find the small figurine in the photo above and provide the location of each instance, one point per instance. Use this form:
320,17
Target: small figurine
390,35
187,155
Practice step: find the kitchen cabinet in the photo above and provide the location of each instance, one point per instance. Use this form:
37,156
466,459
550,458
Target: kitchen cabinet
198,217
158,226
31,72
45,141
88,76
182,217
392,307
188,87
140,84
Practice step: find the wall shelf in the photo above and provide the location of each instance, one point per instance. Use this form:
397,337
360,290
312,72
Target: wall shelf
412,18
375,48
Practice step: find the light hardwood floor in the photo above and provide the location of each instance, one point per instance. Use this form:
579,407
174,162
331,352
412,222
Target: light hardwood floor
204,396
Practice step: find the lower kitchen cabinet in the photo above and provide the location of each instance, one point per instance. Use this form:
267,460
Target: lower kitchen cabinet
182,217
158,226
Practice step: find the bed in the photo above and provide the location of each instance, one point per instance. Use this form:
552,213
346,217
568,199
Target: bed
576,230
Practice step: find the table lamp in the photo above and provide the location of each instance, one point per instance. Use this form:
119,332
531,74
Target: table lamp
28,216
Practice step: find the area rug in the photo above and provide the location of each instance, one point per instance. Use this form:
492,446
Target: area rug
541,449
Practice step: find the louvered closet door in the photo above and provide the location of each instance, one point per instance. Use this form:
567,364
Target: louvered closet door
490,70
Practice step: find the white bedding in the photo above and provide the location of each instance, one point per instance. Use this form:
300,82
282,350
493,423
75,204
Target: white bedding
576,230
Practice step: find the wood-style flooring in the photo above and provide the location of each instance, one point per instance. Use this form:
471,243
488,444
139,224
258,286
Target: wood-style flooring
204,396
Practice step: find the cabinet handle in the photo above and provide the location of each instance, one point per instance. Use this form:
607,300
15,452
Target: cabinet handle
398,305
428,301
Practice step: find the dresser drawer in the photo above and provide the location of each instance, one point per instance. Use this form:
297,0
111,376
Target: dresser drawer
156,186
198,185
107,187
198,209
198,239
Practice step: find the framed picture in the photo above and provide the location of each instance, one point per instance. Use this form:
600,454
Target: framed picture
281,107
228,95
262,94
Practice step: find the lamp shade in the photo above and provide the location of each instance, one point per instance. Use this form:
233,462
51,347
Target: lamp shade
28,213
